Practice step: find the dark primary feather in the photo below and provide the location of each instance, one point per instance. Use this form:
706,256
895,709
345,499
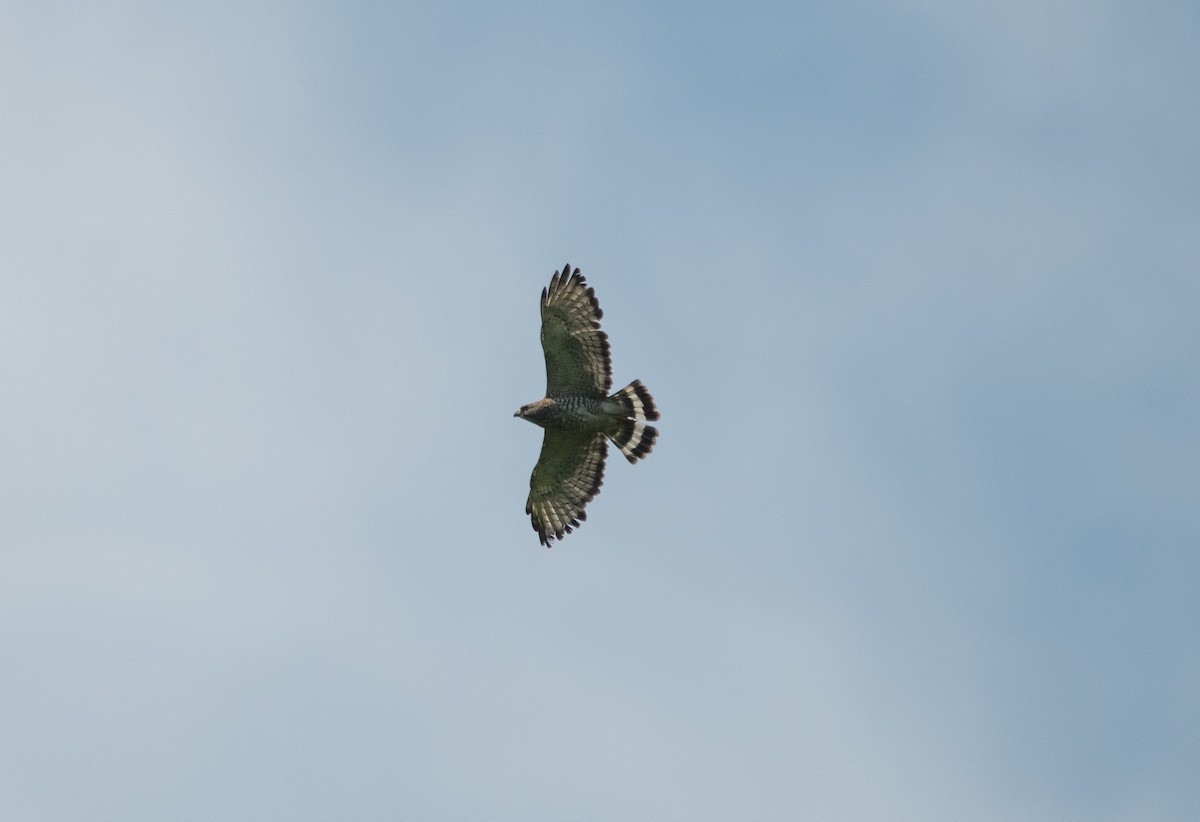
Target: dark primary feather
578,355
568,475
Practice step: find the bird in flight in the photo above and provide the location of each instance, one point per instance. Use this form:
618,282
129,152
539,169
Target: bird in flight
577,413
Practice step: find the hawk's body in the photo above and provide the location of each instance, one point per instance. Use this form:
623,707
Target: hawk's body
577,412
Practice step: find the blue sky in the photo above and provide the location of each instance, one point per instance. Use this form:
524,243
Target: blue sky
915,285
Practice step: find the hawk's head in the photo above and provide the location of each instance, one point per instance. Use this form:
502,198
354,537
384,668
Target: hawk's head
532,412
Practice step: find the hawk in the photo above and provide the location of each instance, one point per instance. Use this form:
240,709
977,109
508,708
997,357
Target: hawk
577,412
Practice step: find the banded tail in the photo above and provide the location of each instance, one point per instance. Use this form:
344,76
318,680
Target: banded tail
633,436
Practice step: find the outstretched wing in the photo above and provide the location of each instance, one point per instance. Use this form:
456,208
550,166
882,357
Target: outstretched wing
567,477
577,354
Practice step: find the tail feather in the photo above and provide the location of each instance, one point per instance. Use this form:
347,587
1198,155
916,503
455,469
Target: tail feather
636,401
634,437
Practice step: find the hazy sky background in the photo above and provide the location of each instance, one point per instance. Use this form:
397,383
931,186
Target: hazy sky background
916,286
